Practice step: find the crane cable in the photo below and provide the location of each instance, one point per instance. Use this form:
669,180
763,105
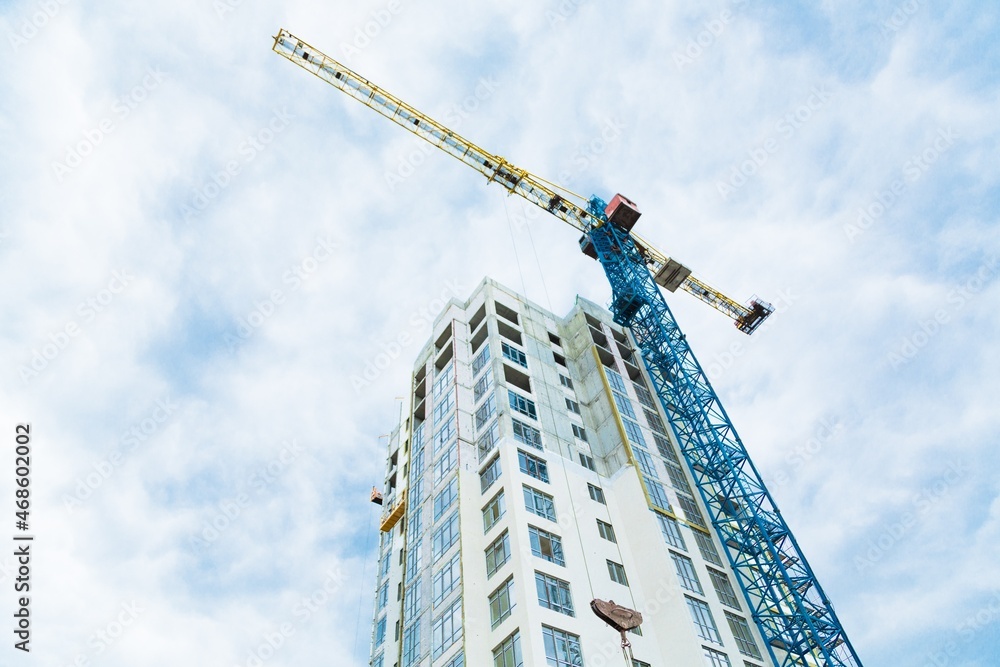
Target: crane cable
510,227
531,239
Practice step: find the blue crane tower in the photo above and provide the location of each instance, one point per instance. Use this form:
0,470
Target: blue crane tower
793,614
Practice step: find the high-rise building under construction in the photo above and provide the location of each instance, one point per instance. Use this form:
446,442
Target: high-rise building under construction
533,473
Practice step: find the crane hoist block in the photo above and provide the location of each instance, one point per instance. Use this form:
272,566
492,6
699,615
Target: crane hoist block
671,275
622,212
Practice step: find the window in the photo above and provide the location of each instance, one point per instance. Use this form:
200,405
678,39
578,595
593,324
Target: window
411,601
488,440
533,466
665,448
444,406
489,474
497,553
445,497
615,380
716,658
554,594
703,620
378,661
380,632
514,354
539,503
624,405
415,522
411,644
686,573
447,629
383,569
671,531
493,511
723,588
521,404
587,461
606,531
572,406
646,462
691,511
446,578
644,396
565,381
578,432
480,360
443,379
559,359
617,572
633,432
657,495
677,478
546,545
486,411
457,661
562,649
416,463
554,339
383,595
527,434
596,493
447,462
508,653
743,636
654,421
482,385
414,559
639,663
444,434
416,495
707,547
444,537
502,602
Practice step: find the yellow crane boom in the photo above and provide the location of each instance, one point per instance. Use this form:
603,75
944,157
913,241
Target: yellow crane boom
668,272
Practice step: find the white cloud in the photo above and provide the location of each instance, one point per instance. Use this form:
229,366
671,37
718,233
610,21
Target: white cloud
561,79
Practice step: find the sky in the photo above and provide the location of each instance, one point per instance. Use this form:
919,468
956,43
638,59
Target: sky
205,251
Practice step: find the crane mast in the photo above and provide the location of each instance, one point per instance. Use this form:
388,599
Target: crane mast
794,616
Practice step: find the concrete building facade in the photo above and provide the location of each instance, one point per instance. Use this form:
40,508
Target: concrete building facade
534,473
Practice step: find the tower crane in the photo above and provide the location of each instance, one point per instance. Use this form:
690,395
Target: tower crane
794,615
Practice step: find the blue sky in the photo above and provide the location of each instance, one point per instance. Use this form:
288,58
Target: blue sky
204,246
